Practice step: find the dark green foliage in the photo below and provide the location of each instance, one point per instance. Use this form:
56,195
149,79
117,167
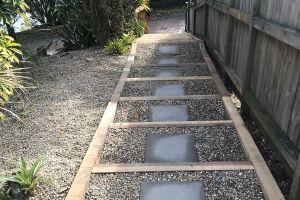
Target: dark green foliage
9,10
117,17
82,27
159,4
4,195
129,6
47,11
78,31
136,26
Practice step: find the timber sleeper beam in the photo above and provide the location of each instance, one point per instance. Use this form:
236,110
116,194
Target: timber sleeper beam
171,124
159,98
183,78
169,167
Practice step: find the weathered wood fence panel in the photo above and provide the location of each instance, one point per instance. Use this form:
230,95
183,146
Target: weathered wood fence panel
257,43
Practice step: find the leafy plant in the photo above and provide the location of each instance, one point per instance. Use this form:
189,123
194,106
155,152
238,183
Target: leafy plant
120,45
117,46
82,27
11,78
128,38
144,4
4,195
9,10
28,179
47,11
77,29
136,26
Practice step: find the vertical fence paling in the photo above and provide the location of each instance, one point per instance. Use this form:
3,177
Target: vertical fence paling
257,43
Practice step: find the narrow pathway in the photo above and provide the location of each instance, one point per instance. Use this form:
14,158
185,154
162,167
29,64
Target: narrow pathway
171,132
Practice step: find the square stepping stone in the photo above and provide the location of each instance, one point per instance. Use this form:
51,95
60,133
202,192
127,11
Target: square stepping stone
170,148
168,61
172,191
169,113
168,49
170,90
168,73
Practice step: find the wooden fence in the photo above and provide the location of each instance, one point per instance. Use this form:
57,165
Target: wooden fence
257,44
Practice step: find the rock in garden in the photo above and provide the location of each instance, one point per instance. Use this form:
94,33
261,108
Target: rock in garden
41,51
55,47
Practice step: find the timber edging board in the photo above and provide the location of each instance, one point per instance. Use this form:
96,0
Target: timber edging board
284,146
171,124
159,98
183,78
170,167
278,138
286,149
268,184
81,181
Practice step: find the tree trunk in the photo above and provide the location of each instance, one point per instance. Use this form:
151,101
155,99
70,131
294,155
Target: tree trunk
100,20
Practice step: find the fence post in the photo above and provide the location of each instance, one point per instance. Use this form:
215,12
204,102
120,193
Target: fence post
187,10
194,17
229,35
250,52
295,188
206,7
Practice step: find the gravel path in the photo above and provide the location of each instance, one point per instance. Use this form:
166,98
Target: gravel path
139,111
151,71
220,185
60,116
148,53
166,23
147,88
218,143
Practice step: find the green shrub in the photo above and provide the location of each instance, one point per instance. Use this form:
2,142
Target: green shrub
120,45
117,46
4,195
47,11
11,78
136,26
77,28
128,38
28,179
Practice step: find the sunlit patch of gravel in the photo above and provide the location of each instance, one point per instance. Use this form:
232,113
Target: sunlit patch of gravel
151,71
140,111
221,185
188,53
219,143
61,116
191,87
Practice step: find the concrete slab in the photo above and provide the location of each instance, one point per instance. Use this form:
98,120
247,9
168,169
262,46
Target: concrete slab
168,73
169,49
172,191
170,148
168,61
169,113
170,90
